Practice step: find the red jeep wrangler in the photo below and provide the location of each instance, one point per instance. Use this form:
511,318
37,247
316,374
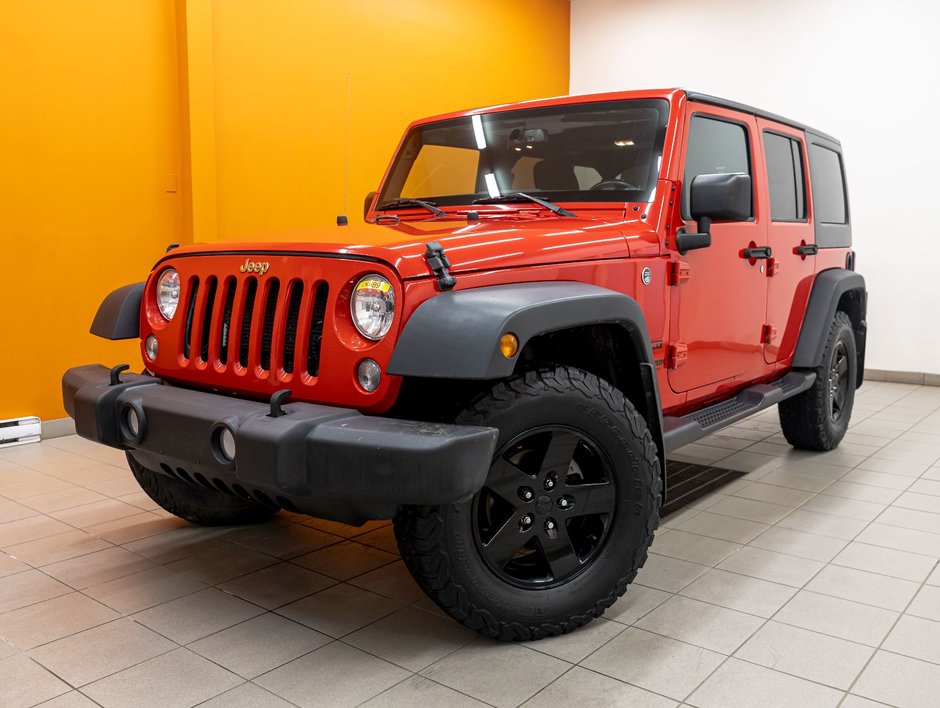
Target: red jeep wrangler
545,300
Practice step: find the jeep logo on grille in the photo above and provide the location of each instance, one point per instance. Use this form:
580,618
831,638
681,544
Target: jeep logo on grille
260,267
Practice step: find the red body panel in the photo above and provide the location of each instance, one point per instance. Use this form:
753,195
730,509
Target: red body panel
341,350
720,309
720,312
791,279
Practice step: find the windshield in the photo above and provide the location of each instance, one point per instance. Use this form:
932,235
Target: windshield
590,152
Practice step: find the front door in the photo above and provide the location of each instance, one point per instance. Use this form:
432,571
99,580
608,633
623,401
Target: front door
719,311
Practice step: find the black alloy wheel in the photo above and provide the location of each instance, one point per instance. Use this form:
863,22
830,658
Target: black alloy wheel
564,518
546,507
818,418
838,381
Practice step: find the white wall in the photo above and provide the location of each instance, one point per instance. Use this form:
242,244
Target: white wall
866,72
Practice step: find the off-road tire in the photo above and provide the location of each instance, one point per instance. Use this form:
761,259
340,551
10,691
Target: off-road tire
807,419
438,544
195,504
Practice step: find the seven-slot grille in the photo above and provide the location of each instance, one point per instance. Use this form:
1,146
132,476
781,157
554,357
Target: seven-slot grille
268,324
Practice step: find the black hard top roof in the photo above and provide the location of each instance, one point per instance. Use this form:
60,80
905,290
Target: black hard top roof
743,108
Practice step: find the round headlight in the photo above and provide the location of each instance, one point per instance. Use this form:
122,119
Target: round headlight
168,292
373,306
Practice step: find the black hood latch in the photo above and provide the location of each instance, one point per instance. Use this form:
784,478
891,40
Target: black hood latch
439,264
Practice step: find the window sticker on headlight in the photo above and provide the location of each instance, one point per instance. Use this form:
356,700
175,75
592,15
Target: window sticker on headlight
380,285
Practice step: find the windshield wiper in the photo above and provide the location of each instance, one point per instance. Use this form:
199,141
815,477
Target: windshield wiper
521,197
405,203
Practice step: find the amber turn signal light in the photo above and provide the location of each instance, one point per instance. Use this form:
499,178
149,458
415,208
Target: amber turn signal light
509,345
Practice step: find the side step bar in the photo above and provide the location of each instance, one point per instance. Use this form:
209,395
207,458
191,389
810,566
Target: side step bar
682,430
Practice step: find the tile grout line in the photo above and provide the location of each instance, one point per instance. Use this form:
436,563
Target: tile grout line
798,589
902,613
769,619
215,586
437,683
816,494
867,525
177,645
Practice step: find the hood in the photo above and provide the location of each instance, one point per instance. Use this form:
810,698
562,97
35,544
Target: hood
487,244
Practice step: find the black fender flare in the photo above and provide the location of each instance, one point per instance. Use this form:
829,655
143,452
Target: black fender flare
118,316
829,288
455,335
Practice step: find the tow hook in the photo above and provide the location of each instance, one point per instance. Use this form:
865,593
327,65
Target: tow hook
277,398
116,373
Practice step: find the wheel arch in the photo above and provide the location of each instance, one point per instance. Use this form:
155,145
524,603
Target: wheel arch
611,352
833,290
454,338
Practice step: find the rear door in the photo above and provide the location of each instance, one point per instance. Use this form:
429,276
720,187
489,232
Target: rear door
720,309
790,236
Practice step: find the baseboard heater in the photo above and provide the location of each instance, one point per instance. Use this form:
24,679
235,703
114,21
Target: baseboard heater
19,431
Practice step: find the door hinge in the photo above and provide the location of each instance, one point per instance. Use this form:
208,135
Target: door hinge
676,355
773,266
767,334
678,272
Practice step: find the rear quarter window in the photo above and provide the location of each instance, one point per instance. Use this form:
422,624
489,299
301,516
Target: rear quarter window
825,168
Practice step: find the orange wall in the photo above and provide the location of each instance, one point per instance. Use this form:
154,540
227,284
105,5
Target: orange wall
290,76
243,107
89,146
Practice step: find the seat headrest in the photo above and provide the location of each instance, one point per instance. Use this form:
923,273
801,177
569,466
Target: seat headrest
555,175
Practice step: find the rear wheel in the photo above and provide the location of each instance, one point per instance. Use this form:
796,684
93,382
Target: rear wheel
564,519
195,504
818,418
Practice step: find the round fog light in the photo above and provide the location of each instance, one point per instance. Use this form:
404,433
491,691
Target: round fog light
132,422
227,443
370,375
151,347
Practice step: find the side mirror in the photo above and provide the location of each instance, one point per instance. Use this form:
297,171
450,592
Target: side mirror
721,197
718,197
367,204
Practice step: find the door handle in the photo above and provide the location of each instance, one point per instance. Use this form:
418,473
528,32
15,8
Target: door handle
806,249
761,252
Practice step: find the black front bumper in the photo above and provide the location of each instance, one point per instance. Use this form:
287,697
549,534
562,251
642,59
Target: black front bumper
321,460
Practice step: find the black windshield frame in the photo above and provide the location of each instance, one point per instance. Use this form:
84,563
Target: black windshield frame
610,138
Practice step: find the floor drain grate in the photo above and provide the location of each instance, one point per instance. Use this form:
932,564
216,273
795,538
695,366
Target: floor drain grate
685,483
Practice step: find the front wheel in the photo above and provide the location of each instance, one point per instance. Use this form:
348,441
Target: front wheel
565,517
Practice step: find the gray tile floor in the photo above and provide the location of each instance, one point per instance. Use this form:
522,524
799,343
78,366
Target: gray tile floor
811,581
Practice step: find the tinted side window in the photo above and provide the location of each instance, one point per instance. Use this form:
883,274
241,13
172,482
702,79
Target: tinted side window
825,167
785,177
715,146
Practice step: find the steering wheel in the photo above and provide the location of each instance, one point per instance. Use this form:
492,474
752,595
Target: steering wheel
611,185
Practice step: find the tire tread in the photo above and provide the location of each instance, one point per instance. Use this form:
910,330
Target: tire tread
804,419
418,529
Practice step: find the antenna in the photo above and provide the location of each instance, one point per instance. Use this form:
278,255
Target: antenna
346,147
